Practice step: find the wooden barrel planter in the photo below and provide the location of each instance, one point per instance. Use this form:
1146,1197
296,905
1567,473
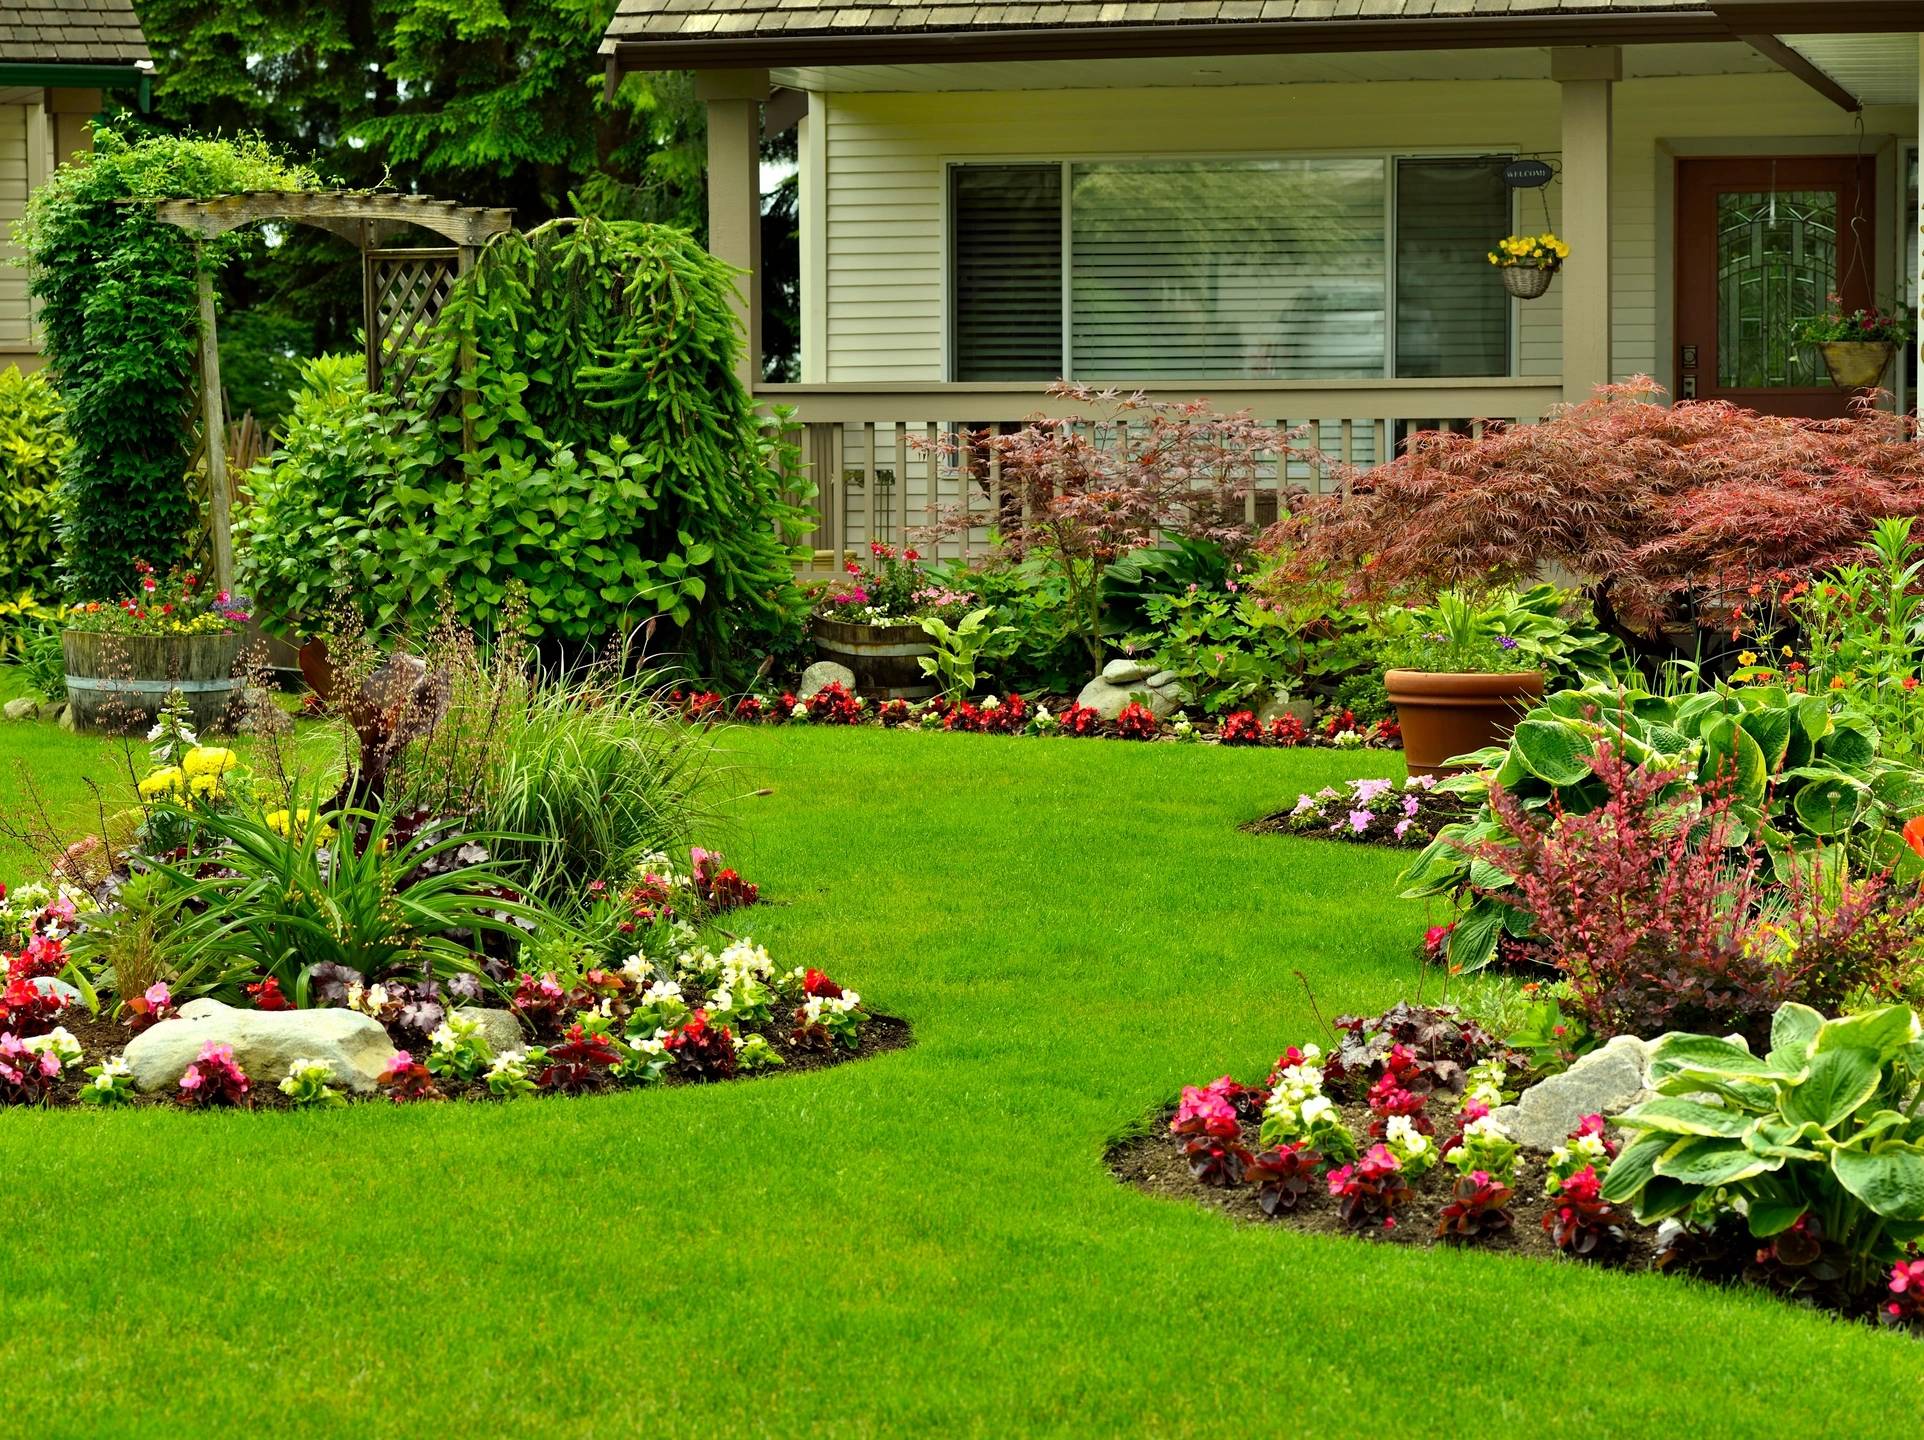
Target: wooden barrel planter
883,657
116,684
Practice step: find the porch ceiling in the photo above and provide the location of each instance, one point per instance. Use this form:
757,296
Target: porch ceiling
1877,69
1640,61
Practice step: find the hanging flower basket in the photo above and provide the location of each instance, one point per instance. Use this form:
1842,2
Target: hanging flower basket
1526,282
1857,364
1529,262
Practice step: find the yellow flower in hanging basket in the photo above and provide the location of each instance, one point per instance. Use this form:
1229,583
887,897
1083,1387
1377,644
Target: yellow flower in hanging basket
1534,252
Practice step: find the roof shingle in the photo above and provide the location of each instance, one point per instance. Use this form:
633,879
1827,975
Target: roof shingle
671,19
70,32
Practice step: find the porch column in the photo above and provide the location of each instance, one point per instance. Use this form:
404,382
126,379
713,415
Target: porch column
734,99
1586,76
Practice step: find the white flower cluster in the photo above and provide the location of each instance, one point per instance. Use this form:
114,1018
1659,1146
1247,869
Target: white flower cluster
112,1072
57,1042
1583,1150
368,999
827,1009
1414,1150
1484,1083
1298,1109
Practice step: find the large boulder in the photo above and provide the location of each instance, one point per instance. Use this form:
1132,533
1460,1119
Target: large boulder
266,1043
821,675
1604,1082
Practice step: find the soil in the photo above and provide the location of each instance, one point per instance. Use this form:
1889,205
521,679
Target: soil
100,1037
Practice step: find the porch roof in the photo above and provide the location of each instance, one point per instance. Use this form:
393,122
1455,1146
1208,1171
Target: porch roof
70,32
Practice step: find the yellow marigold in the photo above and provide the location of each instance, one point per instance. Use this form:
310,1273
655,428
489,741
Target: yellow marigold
1747,657
170,781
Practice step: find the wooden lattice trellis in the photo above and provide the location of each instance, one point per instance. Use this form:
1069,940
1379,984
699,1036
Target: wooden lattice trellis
402,289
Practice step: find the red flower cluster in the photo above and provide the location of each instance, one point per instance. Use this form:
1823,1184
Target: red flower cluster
267,995
816,982
1241,728
1336,724
407,1079
214,1078
1137,722
1080,721
704,705
43,956
720,887
1907,1292
1371,1190
893,712
578,1061
26,1009
1582,1222
1288,729
703,1050
750,708
1389,1098
833,705
1006,717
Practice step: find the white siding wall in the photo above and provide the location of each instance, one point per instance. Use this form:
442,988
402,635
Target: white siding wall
884,154
13,200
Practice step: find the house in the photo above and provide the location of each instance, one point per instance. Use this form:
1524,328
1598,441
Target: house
1288,205
57,58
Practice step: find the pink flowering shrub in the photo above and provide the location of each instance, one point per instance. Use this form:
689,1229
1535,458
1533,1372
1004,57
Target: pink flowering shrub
1370,1191
1581,1221
26,1075
1906,1305
215,1079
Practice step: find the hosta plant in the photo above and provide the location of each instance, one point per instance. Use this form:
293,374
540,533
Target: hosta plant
1825,1123
1802,774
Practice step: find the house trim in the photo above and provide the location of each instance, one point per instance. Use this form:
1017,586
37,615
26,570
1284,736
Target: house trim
1091,42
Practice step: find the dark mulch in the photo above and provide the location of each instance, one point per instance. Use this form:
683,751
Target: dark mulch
101,1038
1435,811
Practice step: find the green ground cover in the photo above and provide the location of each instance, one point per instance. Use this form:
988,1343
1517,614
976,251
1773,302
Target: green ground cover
924,1242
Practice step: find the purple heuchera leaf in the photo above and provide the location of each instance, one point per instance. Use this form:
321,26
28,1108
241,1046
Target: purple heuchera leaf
329,982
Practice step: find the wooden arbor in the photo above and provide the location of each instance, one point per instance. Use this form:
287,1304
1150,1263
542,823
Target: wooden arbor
402,289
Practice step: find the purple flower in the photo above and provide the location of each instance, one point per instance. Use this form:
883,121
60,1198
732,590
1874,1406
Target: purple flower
1410,806
1402,828
1359,820
1505,642
1368,790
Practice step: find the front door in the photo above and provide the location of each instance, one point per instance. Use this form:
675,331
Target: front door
1761,246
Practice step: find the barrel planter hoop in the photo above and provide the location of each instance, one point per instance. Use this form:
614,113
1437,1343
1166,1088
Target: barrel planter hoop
882,657
117,684
1444,716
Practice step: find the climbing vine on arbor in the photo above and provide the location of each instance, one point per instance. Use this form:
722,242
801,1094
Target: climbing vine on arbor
117,300
575,431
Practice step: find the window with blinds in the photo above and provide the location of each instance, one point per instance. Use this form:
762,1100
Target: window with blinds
1451,320
1277,269
1005,225
1267,269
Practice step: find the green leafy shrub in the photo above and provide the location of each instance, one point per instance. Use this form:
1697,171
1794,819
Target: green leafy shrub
33,442
309,538
1803,774
1824,1127
116,286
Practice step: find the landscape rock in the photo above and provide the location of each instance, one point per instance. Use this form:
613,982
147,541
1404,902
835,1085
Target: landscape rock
1109,700
499,1028
1273,709
1125,672
1161,679
266,1043
23,708
54,985
1604,1082
821,675
65,717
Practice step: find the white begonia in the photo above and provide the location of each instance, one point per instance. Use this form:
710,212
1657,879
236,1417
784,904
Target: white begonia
1042,715
1315,1108
991,704
444,1037
1487,1125
799,712
637,967
661,990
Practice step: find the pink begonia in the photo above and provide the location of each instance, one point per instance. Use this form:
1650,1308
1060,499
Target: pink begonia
158,994
400,1064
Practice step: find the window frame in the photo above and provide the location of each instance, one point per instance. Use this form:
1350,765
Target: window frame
1068,160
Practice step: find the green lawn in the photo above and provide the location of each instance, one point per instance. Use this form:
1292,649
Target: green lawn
926,1242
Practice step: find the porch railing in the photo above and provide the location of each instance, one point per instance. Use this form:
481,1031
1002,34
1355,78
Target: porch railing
885,464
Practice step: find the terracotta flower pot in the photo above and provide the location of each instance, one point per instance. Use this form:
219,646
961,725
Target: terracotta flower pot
1444,716
883,657
1856,364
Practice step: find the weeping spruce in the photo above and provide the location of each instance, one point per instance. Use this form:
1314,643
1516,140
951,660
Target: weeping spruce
592,442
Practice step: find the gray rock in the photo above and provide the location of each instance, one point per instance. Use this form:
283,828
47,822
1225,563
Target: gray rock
1604,1082
266,1043
54,985
1161,679
1109,701
23,708
821,675
65,717
1125,672
1274,708
499,1028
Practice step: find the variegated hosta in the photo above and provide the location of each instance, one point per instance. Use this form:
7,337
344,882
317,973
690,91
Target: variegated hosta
1825,1124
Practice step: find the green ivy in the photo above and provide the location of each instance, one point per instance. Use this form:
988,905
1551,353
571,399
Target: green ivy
118,311
32,444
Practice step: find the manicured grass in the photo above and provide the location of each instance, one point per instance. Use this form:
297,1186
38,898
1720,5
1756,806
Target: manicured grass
926,1242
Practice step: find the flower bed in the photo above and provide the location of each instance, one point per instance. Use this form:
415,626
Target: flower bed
1015,714
1401,1134
1369,812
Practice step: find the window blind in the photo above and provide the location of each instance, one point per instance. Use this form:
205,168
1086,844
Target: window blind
1452,314
1006,276
1272,269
